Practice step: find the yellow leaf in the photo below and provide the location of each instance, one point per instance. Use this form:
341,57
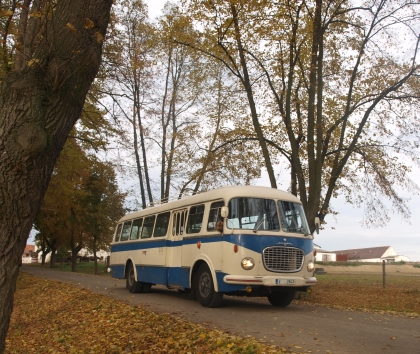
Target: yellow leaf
71,28
32,62
99,37
36,14
5,13
89,23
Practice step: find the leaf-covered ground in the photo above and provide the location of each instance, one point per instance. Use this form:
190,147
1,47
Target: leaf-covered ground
52,317
366,292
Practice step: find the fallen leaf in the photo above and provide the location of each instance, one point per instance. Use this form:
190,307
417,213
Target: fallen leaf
71,28
89,23
99,37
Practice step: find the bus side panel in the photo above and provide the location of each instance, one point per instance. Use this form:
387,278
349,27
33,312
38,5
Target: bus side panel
206,248
150,261
118,271
151,274
173,262
117,263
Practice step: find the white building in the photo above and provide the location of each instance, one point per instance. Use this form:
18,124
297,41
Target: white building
372,254
323,255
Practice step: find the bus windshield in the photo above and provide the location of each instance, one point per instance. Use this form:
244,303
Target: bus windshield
293,217
253,213
261,214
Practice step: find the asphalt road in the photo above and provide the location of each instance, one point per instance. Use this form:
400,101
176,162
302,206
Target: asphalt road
305,327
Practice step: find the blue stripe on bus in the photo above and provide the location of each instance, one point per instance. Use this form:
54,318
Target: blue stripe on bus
256,243
176,276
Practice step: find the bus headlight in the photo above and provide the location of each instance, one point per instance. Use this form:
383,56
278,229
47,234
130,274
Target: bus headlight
310,266
247,263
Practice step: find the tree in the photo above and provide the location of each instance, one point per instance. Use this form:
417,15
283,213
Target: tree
335,90
61,211
128,79
102,205
57,52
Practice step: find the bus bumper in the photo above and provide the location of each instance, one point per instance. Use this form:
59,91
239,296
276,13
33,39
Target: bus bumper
269,280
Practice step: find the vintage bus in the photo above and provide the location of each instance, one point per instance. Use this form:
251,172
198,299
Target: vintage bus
238,240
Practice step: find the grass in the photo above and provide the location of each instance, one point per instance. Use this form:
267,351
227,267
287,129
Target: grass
82,267
366,292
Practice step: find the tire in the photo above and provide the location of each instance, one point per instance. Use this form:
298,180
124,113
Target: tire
131,284
204,287
281,299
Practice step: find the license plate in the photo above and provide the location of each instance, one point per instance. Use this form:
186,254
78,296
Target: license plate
285,281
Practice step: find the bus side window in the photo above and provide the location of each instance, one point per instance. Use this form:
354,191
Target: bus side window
195,219
117,233
135,230
214,215
174,221
162,222
126,231
148,224
181,230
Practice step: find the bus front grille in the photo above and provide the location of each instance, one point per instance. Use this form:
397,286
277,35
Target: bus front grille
283,259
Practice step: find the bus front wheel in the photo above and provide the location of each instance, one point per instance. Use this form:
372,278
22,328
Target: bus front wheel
204,287
281,299
132,285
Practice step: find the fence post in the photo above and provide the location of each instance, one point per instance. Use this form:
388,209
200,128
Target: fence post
383,274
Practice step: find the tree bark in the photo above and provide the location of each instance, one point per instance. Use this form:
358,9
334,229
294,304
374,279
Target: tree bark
39,104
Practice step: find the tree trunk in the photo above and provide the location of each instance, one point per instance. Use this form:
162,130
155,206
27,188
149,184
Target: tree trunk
39,105
53,258
246,81
95,261
74,253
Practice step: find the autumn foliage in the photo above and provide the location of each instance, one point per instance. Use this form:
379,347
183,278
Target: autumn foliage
52,317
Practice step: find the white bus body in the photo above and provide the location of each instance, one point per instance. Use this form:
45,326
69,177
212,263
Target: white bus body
239,240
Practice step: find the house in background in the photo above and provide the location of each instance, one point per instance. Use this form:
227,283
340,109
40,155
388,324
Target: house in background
372,254
324,255
27,253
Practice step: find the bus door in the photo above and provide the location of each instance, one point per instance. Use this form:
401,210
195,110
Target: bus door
174,249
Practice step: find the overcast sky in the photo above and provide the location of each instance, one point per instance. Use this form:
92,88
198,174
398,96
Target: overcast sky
403,236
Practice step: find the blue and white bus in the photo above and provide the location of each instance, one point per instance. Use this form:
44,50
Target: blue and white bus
238,240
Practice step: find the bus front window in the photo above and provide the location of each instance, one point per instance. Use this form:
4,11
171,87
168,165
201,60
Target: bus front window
293,218
253,214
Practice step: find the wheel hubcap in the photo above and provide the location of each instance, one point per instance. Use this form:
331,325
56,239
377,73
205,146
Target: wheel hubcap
131,277
205,285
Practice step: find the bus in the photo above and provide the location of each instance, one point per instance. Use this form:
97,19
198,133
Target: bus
236,240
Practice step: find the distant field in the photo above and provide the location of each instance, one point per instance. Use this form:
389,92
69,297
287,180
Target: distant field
366,292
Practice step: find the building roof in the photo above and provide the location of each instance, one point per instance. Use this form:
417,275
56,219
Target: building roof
363,253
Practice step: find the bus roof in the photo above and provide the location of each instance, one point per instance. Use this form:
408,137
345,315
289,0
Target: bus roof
225,193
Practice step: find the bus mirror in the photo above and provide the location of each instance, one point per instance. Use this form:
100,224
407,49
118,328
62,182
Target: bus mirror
317,223
224,212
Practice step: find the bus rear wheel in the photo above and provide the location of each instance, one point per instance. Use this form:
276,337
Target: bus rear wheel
204,287
281,299
132,285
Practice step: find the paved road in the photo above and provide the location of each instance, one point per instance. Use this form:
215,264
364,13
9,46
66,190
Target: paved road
318,329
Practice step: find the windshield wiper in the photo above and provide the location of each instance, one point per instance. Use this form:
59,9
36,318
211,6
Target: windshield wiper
258,224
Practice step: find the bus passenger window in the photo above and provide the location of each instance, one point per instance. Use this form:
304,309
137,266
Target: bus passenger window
195,219
135,230
148,224
214,215
126,231
181,230
162,222
117,234
174,222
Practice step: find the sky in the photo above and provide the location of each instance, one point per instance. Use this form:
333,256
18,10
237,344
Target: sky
345,230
